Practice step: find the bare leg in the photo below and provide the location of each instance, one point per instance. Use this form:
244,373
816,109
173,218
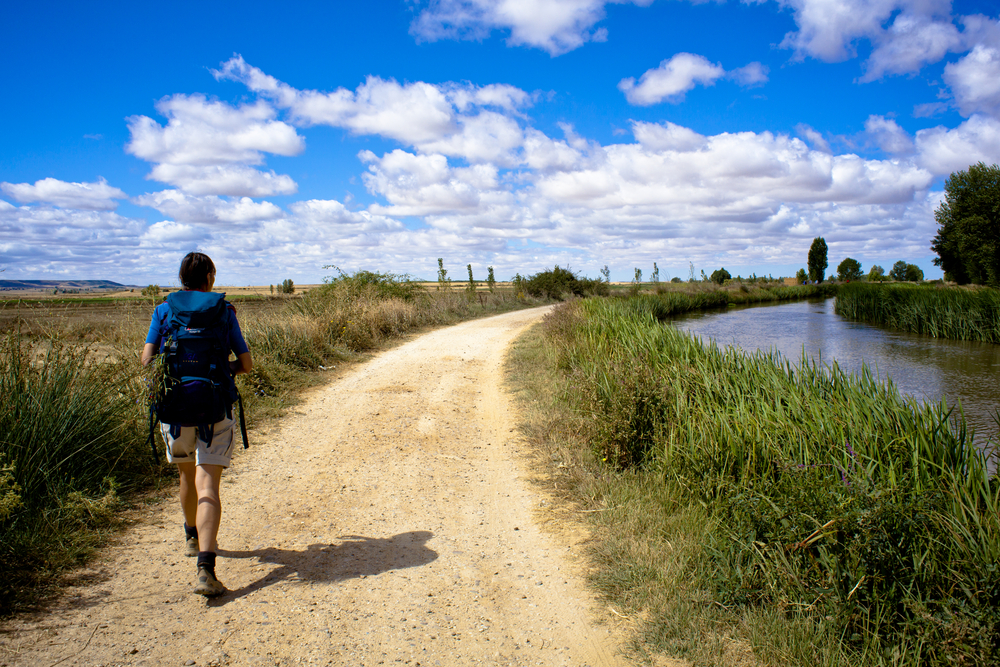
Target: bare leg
209,514
188,493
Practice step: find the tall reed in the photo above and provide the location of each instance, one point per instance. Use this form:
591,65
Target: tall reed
834,499
958,313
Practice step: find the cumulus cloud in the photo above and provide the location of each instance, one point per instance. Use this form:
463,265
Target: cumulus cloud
888,135
941,150
818,141
97,196
681,73
671,79
910,43
975,80
63,242
230,180
555,26
217,141
476,123
209,209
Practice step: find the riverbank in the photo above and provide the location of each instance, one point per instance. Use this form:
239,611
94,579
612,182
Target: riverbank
956,313
806,515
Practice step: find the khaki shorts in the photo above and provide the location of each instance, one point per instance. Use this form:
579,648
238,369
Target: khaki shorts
188,446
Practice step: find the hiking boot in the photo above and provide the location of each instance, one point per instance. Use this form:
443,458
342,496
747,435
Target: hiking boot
191,547
208,585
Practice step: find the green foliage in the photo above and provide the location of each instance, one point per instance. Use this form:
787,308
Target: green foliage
152,291
913,274
675,279
849,269
655,276
898,271
491,281
606,274
853,510
968,240
955,313
801,276
560,283
380,286
817,259
720,276
442,275
287,286
876,274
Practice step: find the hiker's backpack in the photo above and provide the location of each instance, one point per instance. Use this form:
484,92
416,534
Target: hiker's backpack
197,387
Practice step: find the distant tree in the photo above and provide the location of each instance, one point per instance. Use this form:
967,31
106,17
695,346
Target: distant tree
898,271
720,276
801,276
638,276
876,274
287,286
443,282
491,280
655,276
471,288
272,289
691,272
968,240
676,279
849,269
152,291
913,273
817,259
606,274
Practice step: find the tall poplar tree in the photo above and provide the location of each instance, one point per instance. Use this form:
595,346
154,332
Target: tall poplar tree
817,259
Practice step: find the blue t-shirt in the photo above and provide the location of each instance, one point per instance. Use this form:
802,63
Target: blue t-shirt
159,325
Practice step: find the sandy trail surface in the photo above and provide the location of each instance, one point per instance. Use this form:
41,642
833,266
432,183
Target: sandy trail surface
388,520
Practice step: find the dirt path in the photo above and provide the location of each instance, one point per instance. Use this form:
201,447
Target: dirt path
387,521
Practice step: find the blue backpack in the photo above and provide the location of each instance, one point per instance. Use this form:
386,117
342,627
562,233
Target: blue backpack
198,388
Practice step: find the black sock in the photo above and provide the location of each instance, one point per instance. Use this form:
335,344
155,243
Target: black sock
190,531
206,561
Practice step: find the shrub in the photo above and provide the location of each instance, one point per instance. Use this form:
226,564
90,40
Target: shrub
720,276
559,283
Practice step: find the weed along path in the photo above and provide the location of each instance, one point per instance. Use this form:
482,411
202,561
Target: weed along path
388,520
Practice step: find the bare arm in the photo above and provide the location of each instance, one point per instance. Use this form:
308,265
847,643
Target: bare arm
242,364
148,352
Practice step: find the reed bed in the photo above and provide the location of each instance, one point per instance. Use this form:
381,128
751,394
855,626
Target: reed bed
957,313
841,523
73,411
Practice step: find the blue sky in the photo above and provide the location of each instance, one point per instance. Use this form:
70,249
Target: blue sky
516,134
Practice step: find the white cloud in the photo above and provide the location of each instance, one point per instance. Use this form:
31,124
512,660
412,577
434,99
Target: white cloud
911,42
203,132
667,137
44,241
671,79
942,151
975,81
207,146
209,209
888,135
556,26
753,74
230,180
681,73
459,120
97,196
818,141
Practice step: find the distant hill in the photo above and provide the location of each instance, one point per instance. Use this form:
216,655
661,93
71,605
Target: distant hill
75,285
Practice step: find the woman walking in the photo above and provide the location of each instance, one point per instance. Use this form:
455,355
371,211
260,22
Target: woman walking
201,451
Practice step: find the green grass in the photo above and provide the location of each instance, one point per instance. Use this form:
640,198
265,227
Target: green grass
958,313
805,515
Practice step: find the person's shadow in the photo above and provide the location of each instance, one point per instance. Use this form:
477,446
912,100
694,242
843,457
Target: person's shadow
353,556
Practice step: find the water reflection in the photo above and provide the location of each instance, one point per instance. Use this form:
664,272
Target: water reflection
926,368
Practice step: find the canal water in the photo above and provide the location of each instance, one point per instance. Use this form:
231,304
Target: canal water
923,367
